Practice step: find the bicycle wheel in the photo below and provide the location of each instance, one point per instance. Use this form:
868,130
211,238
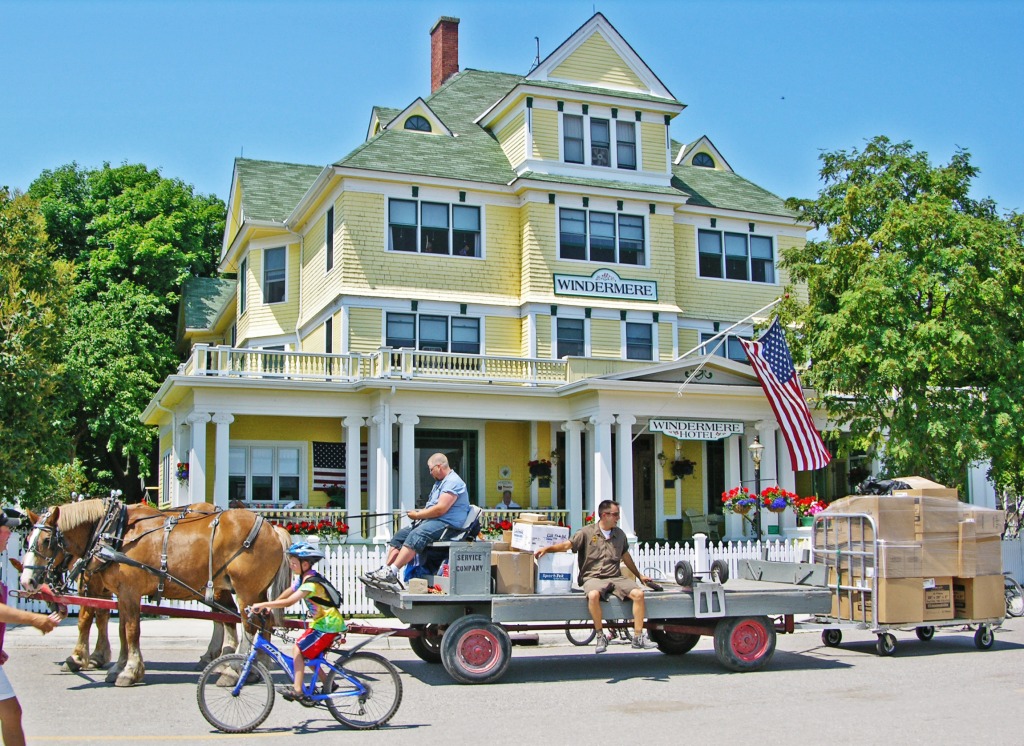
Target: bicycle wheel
381,695
620,632
1014,597
578,636
225,710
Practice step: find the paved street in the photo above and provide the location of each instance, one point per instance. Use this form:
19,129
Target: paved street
944,691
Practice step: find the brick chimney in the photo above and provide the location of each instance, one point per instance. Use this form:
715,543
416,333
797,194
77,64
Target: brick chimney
444,51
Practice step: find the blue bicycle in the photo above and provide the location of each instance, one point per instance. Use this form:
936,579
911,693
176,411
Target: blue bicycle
360,689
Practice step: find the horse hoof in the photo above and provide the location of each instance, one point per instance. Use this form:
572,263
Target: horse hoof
99,663
227,650
124,681
71,665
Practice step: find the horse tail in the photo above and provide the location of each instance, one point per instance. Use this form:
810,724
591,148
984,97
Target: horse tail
283,579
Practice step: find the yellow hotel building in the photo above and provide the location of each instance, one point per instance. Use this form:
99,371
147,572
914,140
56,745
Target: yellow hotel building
509,269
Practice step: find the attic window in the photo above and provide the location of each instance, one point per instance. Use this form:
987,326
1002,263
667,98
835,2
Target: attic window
417,123
701,159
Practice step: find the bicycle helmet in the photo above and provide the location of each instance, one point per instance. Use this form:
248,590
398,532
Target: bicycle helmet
305,551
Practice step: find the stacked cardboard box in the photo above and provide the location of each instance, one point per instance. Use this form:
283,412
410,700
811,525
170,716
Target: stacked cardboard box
531,532
930,548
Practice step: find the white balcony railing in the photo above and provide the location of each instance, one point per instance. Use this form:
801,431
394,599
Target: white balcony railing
234,362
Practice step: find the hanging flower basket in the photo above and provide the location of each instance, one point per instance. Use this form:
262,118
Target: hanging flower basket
682,468
539,469
182,472
776,500
738,500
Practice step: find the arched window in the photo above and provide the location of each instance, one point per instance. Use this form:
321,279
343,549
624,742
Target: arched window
418,123
703,160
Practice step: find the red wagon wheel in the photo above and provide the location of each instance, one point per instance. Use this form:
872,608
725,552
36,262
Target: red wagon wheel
745,643
475,651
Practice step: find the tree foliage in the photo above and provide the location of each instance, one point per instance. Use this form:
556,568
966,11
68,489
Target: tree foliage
35,289
907,322
135,236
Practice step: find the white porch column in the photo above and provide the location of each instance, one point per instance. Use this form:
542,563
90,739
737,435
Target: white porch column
407,460
381,468
535,484
767,431
787,480
624,475
603,488
221,458
588,465
733,522
573,477
353,476
197,457
179,453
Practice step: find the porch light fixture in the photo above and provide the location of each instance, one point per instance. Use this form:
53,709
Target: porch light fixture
756,449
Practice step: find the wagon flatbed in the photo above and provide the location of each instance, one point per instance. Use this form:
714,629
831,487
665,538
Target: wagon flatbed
468,633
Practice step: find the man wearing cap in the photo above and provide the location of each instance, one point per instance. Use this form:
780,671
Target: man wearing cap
10,708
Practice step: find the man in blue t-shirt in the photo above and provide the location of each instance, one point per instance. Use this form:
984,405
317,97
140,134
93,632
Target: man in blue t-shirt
448,506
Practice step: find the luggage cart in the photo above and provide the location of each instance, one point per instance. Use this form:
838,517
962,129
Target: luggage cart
847,544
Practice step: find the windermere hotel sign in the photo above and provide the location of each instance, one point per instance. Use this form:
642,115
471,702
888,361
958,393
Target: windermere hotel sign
605,284
696,429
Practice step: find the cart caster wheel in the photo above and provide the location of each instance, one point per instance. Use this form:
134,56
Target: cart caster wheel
924,634
684,573
831,638
984,637
720,571
886,644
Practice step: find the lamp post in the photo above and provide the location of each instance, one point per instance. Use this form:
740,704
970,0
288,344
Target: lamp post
756,449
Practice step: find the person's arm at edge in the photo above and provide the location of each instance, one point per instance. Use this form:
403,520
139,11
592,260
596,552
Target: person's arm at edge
627,560
42,622
438,509
562,546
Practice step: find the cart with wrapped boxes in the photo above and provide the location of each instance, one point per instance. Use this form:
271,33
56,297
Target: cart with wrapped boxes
917,559
489,594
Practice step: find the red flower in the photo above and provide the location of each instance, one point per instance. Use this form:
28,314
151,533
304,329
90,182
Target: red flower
506,525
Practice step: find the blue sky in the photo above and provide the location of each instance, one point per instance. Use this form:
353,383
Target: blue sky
188,86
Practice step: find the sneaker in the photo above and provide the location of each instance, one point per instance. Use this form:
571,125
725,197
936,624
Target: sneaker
390,581
602,643
290,695
643,642
376,577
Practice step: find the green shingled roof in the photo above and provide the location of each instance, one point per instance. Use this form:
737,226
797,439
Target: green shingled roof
707,187
271,190
588,89
204,299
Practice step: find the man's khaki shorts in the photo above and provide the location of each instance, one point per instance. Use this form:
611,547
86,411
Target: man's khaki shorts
622,586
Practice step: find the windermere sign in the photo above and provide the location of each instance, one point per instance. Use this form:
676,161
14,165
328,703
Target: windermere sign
605,284
696,429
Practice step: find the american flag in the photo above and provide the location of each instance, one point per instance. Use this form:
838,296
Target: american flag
774,368
329,466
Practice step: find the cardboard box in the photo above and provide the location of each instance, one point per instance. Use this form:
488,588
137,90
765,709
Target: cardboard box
979,598
513,572
499,546
935,515
537,518
900,600
921,487
554,573
940,554
988,522
938,599
529,537
900,560
894,517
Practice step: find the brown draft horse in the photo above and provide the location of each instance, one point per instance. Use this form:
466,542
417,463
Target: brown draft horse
207,557
225,635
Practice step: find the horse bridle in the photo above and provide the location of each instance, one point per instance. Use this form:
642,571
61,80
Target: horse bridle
55,544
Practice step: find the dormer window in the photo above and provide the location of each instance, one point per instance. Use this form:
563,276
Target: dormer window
703,160
589,141
600,143
417,123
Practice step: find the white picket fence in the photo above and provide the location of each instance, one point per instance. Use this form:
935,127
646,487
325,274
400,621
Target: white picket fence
345,563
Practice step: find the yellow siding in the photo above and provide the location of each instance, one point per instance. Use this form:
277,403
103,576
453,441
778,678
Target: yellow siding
314,267
688,339
315,341
605,338
665,342
502,336
544,349
506,445
276,318
653,147
538,241
366,331
504,259
595,62
545,134
512,138
359,221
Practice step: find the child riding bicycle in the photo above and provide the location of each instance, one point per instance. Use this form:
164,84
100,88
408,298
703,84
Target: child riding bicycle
322,601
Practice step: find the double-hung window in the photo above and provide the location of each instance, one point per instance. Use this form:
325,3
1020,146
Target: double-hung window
728,347
572,140
625,145
433,228
600,143
735,256
639,341
570,338
273,275
606,237
433,332
264,473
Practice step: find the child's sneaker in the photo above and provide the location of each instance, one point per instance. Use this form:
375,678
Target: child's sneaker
643,642
602,643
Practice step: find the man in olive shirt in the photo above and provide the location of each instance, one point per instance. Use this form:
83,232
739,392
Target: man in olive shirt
604,545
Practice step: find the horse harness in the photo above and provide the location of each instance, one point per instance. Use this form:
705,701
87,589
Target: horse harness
107,541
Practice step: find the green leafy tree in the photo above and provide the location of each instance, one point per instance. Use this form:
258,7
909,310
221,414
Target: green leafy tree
135,236
900,322
34,295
